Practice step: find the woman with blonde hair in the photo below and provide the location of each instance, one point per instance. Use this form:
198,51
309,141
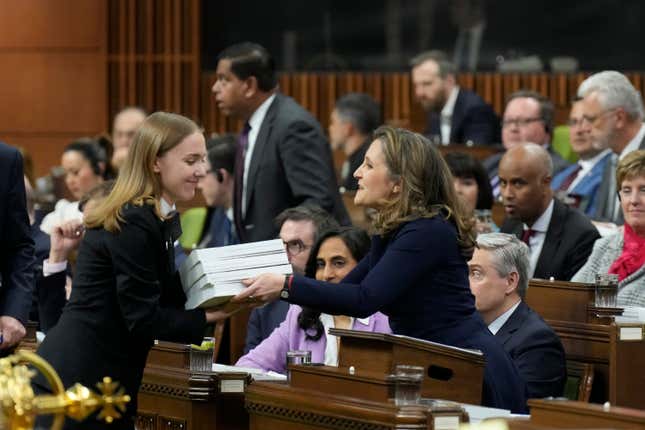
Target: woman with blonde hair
416,270
126,291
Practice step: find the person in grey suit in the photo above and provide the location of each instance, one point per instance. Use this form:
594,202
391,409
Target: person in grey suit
528,117
560,239
283,159
613,113
622,252
498,280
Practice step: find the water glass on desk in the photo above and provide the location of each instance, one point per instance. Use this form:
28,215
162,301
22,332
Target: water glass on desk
606,290
201,357
297,357
407,381
484,219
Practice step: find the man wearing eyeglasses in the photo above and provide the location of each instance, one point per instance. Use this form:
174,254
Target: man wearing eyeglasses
613,115
578,184
299,228
528,117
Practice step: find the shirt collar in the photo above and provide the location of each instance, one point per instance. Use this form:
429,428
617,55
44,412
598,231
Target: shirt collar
590,162
166,207
501,320
449,107
634,143
258,116
542,223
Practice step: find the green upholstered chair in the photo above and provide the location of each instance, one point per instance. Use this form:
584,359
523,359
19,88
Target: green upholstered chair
561,143
192,226
579,381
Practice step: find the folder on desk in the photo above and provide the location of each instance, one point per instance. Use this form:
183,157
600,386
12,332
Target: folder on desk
212,276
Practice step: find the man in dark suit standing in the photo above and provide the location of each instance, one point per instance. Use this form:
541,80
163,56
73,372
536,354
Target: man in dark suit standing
613,116
455,115
498,280
17,251
283,159
560,239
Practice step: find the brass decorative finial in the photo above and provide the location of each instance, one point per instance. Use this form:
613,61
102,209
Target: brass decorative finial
19,405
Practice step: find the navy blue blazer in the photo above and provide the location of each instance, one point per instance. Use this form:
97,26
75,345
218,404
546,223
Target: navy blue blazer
17,250
536,351
472,120
263,321
588,186
417,276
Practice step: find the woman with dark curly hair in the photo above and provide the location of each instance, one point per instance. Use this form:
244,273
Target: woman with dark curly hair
334,255
416,270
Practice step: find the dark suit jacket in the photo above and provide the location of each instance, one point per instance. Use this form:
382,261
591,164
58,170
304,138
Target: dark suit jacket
567,245
417,276
491,164
51,299
472,120
291,165
536,351
126,294
17,250
603,207
263,321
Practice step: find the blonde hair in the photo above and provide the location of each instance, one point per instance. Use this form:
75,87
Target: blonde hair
137,182
427,188
630,167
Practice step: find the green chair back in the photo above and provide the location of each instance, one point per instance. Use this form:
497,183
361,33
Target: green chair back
192,226
562,145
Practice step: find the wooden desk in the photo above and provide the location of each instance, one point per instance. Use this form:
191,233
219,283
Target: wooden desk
172,397
568,414
589,338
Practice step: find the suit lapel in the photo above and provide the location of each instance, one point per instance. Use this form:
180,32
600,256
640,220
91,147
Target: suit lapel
259,148
551,240
512,324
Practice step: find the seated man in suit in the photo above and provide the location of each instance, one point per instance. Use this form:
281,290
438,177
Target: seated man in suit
528,117
455,115
579,182
299,229
351,124
613,113
560,239
126,123
498,280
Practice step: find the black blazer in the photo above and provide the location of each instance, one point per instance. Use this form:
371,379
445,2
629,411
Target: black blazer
536,351
604,211
50,299
291,164
472,120
125,294
17,250
568,243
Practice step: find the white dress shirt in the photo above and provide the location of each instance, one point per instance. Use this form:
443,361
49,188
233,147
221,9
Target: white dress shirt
255,122
331,346
446,116
539,227
501,320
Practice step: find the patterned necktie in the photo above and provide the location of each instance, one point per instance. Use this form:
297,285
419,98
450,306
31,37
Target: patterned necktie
494,184
240,155
526,236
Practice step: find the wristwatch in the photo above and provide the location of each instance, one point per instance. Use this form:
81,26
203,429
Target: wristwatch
284,294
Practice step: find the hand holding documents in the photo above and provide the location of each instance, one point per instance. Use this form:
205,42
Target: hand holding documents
210,277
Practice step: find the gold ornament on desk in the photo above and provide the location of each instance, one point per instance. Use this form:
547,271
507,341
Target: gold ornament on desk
19,406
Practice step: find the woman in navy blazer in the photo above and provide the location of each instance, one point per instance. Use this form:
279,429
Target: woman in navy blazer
416,270
126,292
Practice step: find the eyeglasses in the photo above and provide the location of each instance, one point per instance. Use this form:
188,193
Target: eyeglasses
295,247
519,122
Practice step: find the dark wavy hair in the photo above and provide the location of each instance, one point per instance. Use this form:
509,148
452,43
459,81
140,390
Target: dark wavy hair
357,242
466,166
94,150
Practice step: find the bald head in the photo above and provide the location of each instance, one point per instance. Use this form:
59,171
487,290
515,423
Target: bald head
525,173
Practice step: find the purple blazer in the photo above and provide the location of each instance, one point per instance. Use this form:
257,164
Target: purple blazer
272,352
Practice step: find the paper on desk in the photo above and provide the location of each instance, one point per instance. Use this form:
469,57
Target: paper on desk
631,314
257,374
480,413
